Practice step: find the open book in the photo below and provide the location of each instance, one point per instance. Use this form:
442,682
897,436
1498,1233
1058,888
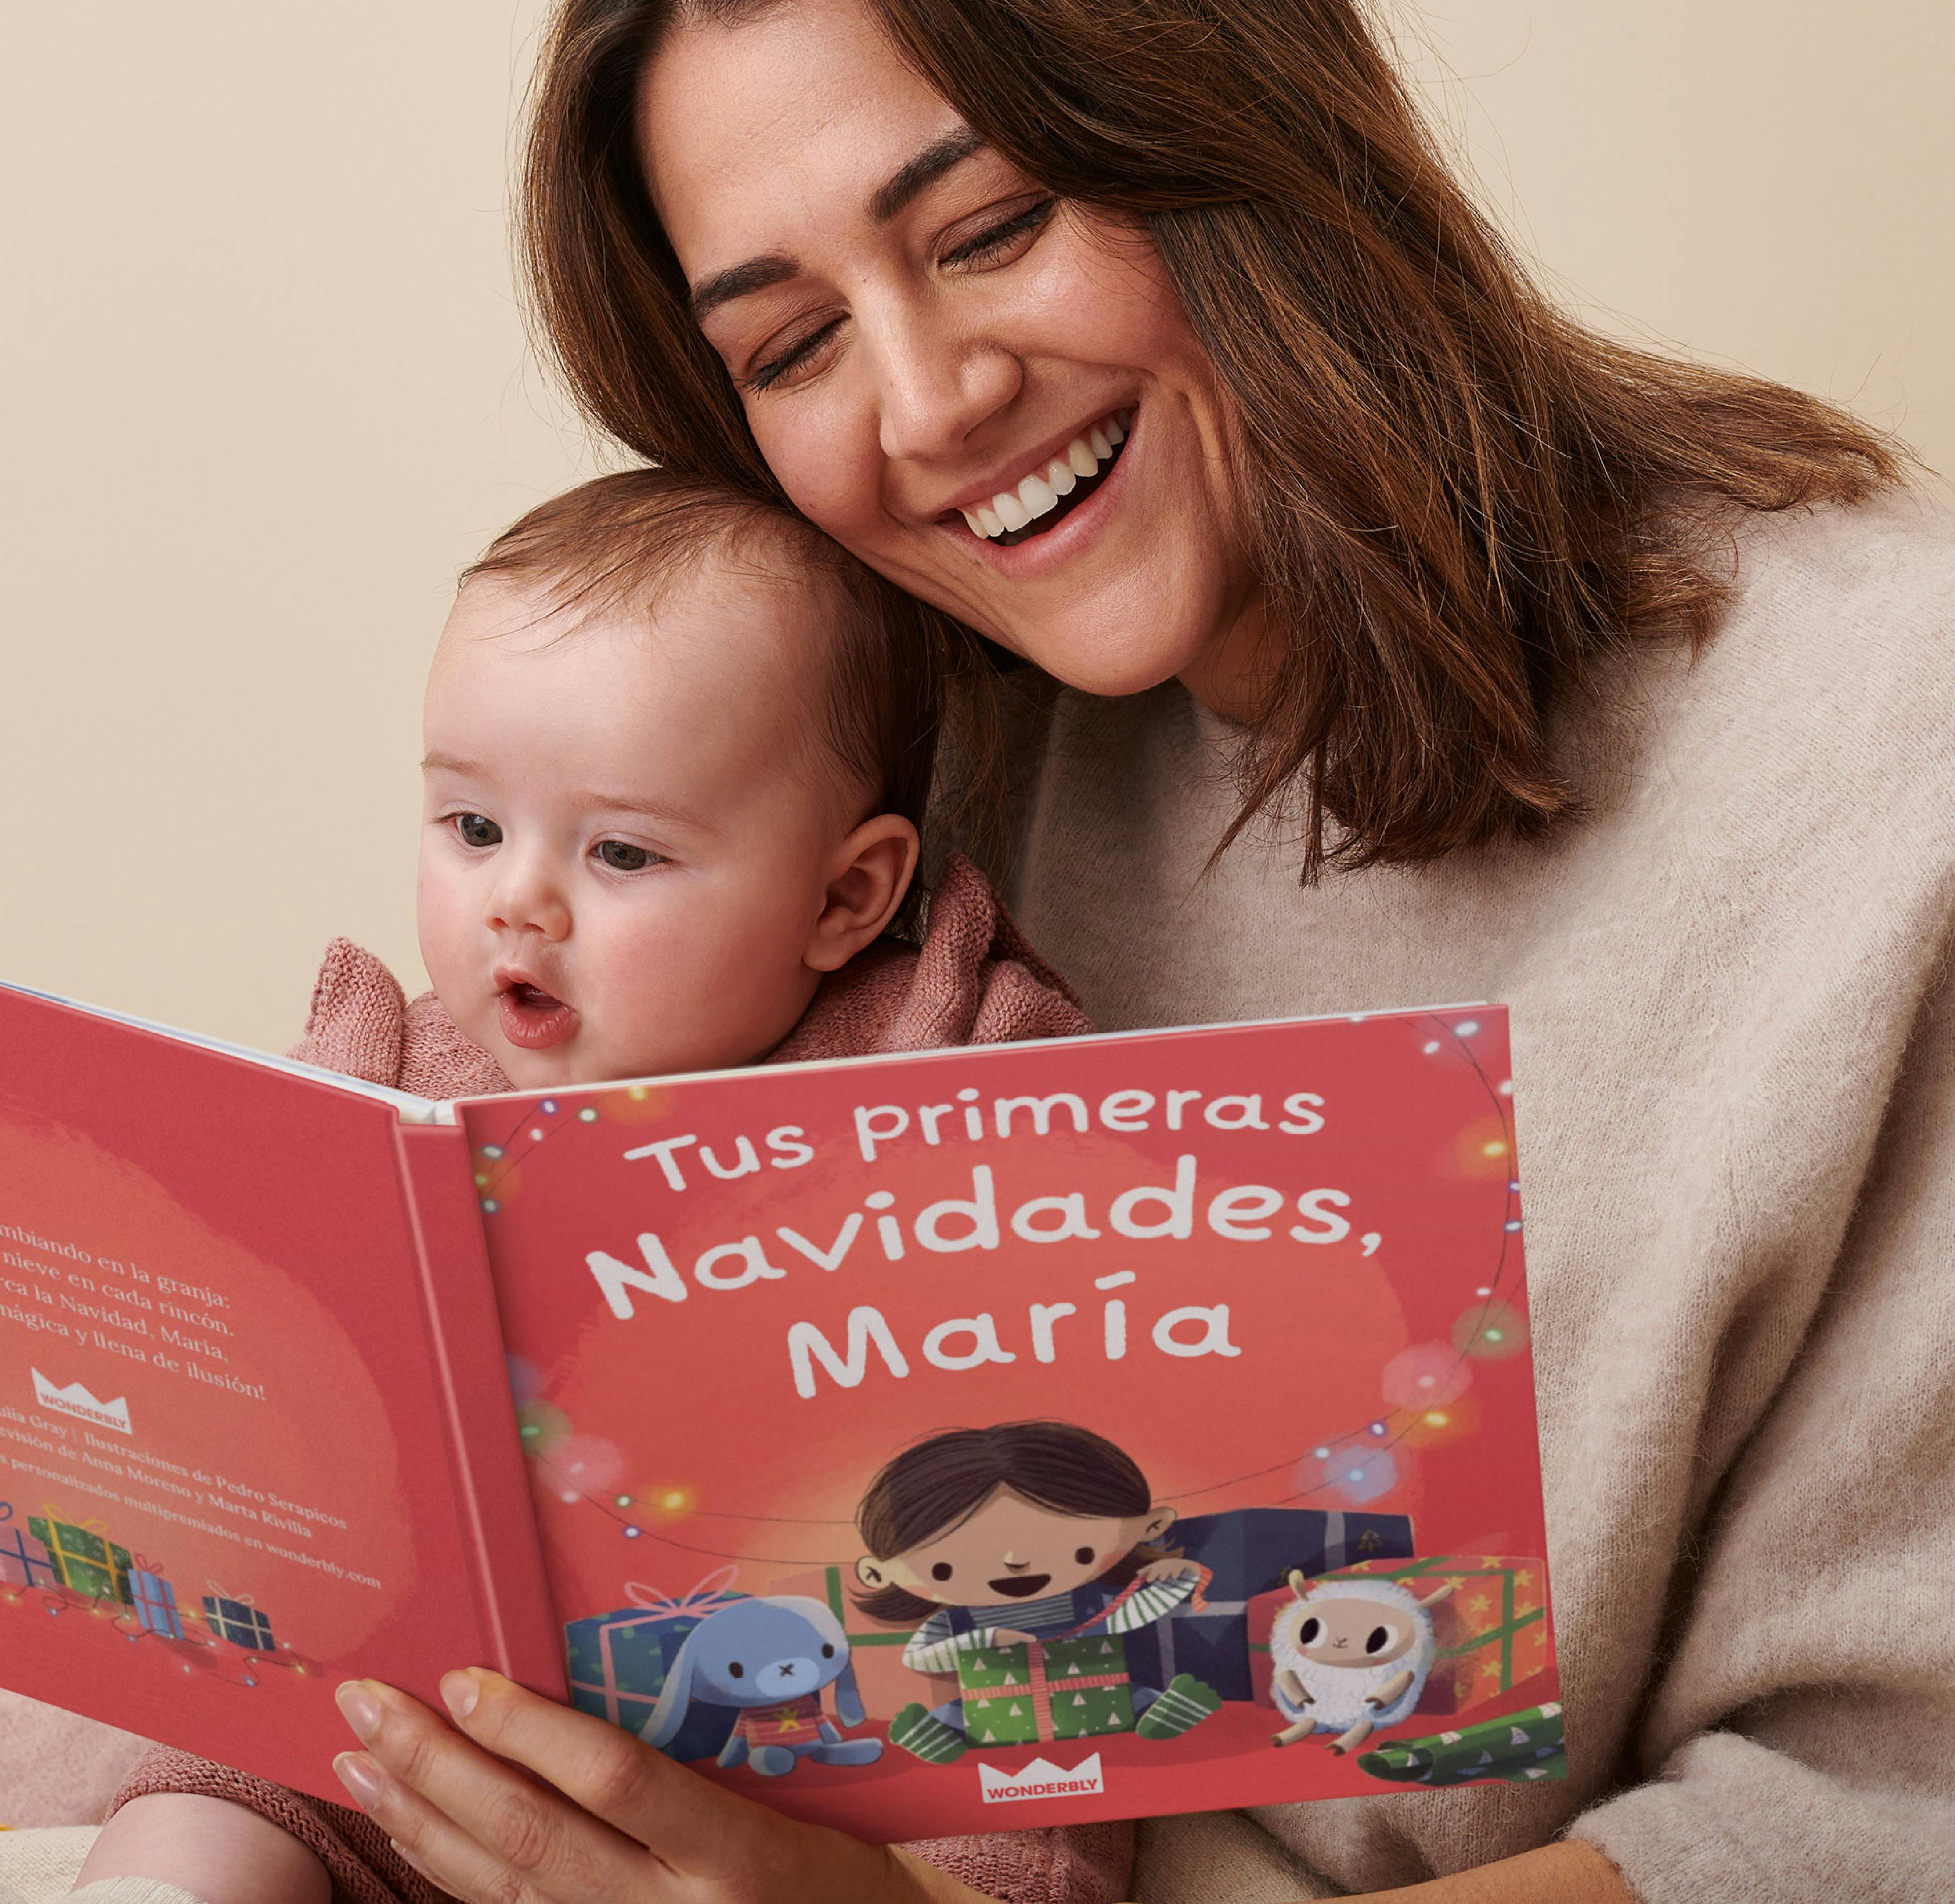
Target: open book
303,1380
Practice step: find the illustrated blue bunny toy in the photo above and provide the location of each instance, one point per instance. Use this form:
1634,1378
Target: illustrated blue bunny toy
768,1658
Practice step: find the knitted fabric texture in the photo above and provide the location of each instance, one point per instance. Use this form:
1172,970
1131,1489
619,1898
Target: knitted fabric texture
132,1890
974,980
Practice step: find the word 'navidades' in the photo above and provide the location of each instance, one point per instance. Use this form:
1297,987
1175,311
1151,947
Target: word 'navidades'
1147,1213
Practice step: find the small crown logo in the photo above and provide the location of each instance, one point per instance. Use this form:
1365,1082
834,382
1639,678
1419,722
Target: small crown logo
76,1400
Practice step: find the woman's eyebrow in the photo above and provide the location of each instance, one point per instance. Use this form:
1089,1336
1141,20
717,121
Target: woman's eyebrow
917,174
739,281
940,156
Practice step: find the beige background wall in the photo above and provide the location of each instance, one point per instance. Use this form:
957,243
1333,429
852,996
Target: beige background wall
266,390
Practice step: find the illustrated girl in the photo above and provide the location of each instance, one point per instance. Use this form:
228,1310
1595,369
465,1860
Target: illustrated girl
1028,1531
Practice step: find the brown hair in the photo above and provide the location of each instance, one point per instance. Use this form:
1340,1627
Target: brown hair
938,1484
1456,495
624,538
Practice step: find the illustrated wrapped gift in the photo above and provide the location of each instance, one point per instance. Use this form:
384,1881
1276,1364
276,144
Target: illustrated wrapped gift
1491,1629
85,1560
1250,1551
24,1559
1070,1689
156,1604
241,1621
618,1661
1520,1748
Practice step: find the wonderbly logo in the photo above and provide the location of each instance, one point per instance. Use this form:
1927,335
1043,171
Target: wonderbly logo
76,1400
1041,1779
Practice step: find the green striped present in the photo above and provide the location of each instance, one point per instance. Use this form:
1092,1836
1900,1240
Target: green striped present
1521,1748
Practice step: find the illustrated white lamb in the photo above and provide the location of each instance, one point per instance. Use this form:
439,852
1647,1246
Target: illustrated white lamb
1351,1656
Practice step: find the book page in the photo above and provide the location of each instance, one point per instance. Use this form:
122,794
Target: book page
225,1475
1263,1287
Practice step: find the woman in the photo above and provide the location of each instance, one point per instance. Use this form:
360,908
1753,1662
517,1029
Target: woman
1503,661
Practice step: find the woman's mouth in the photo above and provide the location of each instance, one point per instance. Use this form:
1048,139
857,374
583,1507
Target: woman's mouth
532,1018
1046,496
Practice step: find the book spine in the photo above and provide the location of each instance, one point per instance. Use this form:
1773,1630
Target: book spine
485,1453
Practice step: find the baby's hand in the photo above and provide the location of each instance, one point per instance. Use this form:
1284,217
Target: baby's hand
1169,1570
1011,1636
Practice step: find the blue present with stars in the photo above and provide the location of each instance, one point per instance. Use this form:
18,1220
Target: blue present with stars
240,1623
618,1662
1248,1551
156,1604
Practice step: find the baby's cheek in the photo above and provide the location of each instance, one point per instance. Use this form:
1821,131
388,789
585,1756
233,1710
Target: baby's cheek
442,930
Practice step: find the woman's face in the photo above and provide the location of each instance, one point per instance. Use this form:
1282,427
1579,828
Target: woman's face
920,333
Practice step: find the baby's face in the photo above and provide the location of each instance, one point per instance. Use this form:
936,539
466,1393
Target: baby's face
628,829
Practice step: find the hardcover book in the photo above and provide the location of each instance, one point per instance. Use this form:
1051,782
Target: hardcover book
962,1440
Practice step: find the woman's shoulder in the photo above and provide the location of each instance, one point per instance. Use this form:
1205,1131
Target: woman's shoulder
1823,692
1856,596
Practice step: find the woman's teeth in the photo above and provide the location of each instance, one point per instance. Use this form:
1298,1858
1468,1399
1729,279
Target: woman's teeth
1038,494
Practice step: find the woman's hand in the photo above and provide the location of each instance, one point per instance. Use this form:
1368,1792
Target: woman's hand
1168,1570
612,1821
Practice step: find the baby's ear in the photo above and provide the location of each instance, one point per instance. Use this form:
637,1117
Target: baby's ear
868,876
869,1573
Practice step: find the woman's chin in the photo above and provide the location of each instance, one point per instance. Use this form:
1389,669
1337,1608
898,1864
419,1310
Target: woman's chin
1109,662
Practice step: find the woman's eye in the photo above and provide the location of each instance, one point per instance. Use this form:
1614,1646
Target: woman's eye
798,359
1002,242
1377,1639
941,1571
1082,1557
477,829
621,857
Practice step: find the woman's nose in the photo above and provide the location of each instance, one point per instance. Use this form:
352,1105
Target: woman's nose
526,899
934,387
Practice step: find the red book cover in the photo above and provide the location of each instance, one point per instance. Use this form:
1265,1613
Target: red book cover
254,1434
959,1441
1268,1275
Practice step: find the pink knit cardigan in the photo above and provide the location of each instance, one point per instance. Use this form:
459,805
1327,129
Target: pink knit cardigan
974,980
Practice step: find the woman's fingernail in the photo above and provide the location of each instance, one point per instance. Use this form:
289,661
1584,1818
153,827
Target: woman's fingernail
359,1708
459,1693
357,1772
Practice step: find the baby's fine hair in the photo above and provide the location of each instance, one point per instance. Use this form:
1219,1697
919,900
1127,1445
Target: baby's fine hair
625,538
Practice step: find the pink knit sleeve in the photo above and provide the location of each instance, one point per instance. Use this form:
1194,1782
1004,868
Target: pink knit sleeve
357,1013
1064,1865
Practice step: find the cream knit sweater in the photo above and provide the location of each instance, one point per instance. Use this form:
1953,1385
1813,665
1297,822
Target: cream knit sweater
1731,1006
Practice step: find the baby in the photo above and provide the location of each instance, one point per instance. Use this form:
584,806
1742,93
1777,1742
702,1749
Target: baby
677,750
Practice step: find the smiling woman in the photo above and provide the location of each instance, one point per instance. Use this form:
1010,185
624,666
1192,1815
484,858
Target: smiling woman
1153,340
1377,499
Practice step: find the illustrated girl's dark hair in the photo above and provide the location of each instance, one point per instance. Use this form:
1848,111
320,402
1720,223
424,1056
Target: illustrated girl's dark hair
931,1489
1459,497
